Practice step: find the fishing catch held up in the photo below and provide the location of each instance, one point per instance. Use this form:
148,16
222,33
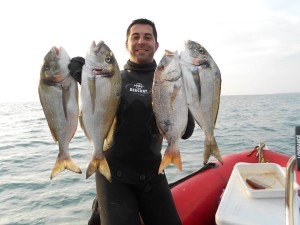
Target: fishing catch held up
58,94
189,81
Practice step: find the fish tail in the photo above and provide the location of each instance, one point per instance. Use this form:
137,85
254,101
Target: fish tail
170,156
211,148
61,165
101,165
104,169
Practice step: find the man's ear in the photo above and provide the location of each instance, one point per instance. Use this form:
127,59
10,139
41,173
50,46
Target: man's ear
156,46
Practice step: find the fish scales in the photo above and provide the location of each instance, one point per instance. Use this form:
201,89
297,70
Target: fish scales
100,95
170,107
58,93
202,79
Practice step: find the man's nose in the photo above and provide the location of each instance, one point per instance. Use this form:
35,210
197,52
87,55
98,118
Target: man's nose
141,40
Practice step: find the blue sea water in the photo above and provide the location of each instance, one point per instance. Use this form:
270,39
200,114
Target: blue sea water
28,153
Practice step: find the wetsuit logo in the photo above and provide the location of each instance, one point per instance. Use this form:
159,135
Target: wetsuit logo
138,88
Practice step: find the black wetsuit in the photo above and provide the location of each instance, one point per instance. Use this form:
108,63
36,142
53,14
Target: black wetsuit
134,156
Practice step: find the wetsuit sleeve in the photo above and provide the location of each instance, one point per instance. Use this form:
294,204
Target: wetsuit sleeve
75,67
190,126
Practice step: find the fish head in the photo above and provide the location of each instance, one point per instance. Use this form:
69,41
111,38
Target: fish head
101,60
195,54
55,66
168,67
165,60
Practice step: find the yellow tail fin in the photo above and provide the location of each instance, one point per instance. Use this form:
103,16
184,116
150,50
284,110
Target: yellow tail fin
211,148
172,155
61,165
101,165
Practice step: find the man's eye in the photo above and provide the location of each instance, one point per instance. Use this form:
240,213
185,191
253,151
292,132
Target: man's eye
148,37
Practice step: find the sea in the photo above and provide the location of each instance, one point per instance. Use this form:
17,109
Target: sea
28,153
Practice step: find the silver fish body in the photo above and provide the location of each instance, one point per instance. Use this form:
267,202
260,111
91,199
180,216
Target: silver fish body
202,80
170,106
58,94
100,95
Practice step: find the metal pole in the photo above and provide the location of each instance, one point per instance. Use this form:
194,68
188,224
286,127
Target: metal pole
289,191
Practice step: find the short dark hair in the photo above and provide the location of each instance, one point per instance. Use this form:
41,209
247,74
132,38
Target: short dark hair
142,21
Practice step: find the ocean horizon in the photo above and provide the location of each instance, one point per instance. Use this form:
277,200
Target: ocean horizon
28,153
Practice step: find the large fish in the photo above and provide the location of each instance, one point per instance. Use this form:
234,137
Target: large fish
202,79
100,95
170,106
58,94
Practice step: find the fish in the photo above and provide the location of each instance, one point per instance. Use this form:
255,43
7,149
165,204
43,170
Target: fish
58,94
100,96
170,106
202,80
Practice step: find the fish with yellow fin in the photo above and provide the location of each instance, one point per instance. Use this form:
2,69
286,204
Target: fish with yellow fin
58,93
100,95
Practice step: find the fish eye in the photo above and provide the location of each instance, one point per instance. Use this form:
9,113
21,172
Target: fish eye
108,59
201,50
46,67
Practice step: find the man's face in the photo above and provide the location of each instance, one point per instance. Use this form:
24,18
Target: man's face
141,44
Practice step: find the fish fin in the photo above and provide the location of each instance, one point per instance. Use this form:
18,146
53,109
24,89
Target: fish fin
53,134
170,156
108,142
104,169
197,81
98,164
176,90
62,164
65,99
92,89
211,148
83,127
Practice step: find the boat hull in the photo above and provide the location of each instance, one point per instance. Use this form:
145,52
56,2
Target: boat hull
198,197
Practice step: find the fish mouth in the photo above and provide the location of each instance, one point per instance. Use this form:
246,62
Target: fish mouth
204,64
200,62
102,72
53,80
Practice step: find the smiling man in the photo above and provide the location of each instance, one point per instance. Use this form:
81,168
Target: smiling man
134,157
141,42
133,149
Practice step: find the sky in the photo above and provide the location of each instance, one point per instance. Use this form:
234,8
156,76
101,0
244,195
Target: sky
255,43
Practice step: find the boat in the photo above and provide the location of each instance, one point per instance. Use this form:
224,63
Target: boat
198,196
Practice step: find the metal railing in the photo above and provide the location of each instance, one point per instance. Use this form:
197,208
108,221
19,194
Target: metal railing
289,191
289,180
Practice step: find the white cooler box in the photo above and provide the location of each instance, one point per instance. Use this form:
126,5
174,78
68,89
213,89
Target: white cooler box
238,206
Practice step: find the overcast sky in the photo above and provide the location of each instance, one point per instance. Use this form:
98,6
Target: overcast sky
255,43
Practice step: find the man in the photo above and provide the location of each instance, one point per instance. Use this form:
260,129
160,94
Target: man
137,190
